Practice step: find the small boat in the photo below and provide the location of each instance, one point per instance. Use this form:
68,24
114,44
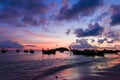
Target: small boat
4,50
32,51
52,51
17,50
87,52
26,51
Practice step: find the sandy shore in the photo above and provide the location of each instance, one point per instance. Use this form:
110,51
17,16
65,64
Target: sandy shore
107,69
107,74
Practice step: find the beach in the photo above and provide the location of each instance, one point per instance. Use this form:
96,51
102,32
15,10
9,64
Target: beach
105,69
62,66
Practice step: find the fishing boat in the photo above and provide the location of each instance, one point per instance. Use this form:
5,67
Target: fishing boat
87,52
17,50
32,51
51,51
26,51
4,50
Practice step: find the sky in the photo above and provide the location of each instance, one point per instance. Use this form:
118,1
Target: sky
59,23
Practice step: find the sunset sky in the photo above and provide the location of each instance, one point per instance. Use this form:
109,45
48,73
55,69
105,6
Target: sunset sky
53,23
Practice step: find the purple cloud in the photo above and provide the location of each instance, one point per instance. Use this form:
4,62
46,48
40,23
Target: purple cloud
102,40
81,44
10,44
92,30
23,13
115,16
81,8
68,32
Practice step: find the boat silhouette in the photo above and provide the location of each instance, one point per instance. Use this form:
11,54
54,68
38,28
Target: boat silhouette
51,51
32,51
17,50
4,50
26,51
87,52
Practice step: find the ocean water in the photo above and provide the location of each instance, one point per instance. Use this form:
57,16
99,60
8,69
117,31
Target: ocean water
26,66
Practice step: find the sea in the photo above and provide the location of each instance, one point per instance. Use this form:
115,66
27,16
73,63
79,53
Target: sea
36,66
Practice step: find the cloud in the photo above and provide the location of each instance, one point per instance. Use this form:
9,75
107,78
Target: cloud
115,19
29,33
103,15
10,44
102,40
115,16
112,34
23,13
82,43
68,32
81,8
92,30
92,40
30,45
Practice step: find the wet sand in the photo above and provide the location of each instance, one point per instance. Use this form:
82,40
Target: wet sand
104,69
111,73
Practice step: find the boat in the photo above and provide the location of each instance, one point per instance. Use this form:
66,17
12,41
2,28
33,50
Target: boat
51,51
32,51
26,51
17,50
4,50
87,52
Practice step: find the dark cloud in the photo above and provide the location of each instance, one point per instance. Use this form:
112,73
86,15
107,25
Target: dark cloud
92,40
23,12
102,40
115,19
81,8
10,44
92,30
68,32
107,40
81,44
115,16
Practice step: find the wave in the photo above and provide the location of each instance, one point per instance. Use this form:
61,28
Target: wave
54,70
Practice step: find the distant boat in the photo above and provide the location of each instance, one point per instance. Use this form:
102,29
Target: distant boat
32,51
52,51
17,50
26,51
4,50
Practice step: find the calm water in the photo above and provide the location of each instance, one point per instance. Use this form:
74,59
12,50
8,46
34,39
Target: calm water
26,66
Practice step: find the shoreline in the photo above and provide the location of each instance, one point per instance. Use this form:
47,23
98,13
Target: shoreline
98,70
